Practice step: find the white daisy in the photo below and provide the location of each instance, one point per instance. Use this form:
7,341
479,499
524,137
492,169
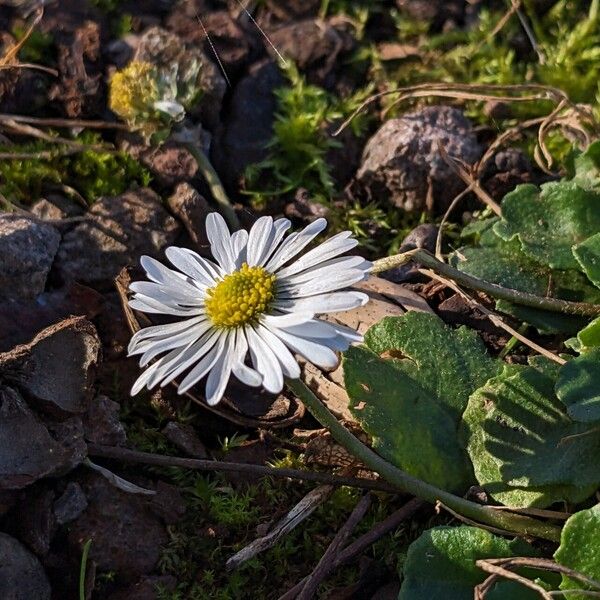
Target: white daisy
252,300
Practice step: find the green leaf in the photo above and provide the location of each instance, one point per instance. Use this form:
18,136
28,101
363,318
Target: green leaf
578,387
412,406
515,431
507,265
587,168
579,549
440,565
410,427
550,220
448,363
588,255
589,336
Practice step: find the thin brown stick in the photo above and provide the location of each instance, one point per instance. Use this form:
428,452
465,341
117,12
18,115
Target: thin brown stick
159,460
354,549
68,123
471,182
544,564
325,565
498,571
440,505
451,207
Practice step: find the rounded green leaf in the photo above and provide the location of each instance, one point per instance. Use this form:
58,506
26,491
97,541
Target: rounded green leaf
579,550
578,387
440,565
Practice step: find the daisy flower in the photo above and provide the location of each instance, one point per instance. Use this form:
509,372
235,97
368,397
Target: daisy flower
258,299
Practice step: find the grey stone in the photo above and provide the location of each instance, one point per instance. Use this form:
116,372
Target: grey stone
127,534
35,521
101,422
27,249
57,368
192,209
70,504
30,450
118,231
249,123
185,438
21,574
402,158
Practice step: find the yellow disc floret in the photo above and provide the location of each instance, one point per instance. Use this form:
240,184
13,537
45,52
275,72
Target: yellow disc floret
240,297
133,90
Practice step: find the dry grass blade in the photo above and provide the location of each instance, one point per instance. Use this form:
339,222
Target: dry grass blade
326,564
494,318
294,517
10,59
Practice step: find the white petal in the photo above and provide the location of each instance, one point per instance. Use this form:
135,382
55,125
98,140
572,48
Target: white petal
190,356
242,371
156,331
193,265
320,355
220,241
168,295
220,372
264,362
325,270
333,247
294,244
324,303
185,338
312,329
289,365
320,286
295,318
149,305
239,240
259,239
158,273
204,366
153,374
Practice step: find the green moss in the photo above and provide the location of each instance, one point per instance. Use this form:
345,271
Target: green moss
38,48
298,149
92,173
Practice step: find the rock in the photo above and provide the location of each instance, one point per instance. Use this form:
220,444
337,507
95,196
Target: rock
440,13
170,163
422,236
21,574
402,158
118,231
221,34
27,249
70,504
192,210
313,45
57,368
55,206
127,535
35,521
505,171
293,9
184,437
168,503
146,588
248,123
164,48
29,450
101,423
21,320
80,88
303,209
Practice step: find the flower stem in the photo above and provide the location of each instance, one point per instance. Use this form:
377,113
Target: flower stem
215,185
427,259
517,524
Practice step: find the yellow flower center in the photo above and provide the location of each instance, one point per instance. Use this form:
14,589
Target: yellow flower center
240,297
